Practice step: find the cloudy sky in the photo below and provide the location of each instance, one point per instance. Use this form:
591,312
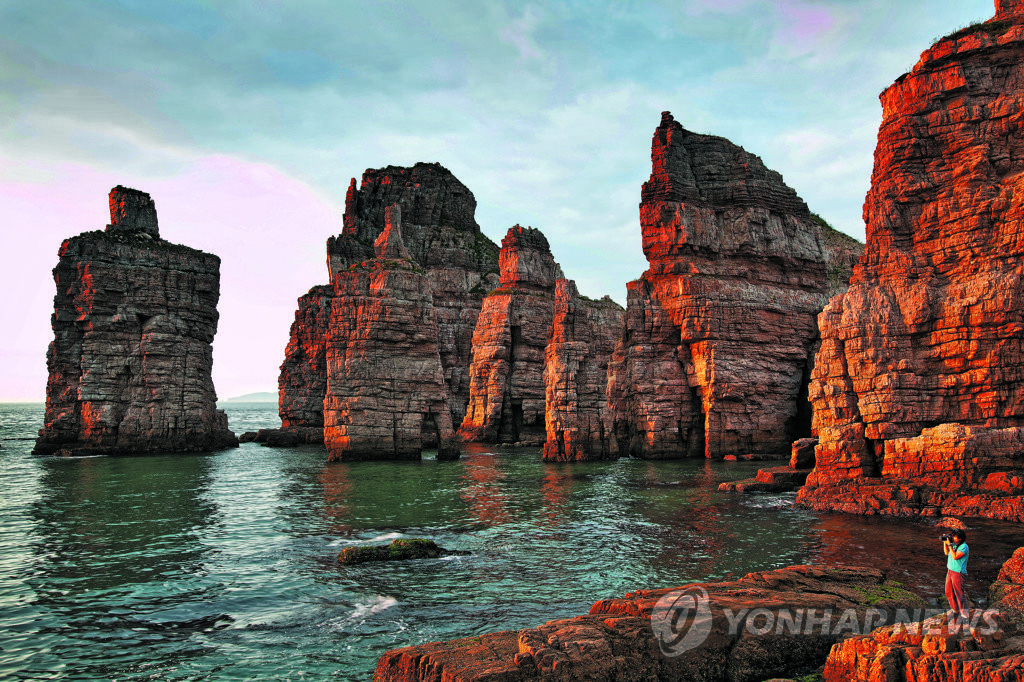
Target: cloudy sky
245,122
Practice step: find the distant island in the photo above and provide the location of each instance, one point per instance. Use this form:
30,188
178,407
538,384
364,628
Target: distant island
263,397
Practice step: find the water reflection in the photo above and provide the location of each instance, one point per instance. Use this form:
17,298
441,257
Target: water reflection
115,555
483,489
112,522
337,491
221,566
556,490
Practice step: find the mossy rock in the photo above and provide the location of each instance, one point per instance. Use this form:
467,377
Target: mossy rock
398,550
890,594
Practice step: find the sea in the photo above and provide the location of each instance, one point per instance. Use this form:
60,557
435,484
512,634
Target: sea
222,566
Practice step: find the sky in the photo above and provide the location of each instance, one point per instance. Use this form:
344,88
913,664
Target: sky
245,122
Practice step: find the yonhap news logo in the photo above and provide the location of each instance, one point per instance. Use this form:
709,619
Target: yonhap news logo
682,620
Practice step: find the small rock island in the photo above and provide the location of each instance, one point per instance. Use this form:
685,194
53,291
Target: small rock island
133,323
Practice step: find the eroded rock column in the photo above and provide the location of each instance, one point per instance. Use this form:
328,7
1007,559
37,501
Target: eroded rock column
134,319
720,331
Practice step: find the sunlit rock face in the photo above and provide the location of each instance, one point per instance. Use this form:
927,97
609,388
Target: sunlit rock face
134,319
918,388
441,236
583,336
385,395
506,403
302,382
720,331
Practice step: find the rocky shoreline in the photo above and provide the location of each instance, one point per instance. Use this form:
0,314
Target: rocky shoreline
837,623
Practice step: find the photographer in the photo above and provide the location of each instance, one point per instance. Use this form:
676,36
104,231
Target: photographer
955,548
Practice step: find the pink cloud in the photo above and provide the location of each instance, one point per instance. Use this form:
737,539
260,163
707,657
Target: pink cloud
267,227
801,27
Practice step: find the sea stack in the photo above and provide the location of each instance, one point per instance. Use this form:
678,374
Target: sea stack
385,395
134,319
720,331
583,336
918,389
506,390
444,242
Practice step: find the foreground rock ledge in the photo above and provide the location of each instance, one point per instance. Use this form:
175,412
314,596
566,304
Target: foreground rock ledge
616,640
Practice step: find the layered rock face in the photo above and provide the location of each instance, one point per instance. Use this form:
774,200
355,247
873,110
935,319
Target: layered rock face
583,336
987,649
442,237
302,383
918,390
385,395
507,391
134,319
720,331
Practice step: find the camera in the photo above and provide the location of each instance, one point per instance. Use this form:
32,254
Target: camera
946,536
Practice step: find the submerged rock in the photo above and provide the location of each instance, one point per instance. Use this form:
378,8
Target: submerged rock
134,319
398,550
917,389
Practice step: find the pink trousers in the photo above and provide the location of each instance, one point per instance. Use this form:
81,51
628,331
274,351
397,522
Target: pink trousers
955,591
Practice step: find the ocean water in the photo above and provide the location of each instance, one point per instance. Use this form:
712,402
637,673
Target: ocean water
221,566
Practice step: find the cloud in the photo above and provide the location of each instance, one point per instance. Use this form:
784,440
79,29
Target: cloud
517,33
246,123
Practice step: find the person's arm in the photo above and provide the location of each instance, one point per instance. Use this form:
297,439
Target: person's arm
946,547
957,554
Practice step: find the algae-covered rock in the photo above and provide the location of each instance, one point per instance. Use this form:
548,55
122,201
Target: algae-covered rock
414,548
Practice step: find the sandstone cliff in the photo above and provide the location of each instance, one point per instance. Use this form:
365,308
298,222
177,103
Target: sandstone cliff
134,319
385,394
720,331
918,390
583,335
442,237
302,383
506,375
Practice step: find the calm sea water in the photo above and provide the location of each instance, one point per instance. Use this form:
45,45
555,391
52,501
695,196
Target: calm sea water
221,566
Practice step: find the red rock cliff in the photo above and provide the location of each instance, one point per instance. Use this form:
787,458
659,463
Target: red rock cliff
442,237
134,319
385,395
506,402
918,389
719,332
576,360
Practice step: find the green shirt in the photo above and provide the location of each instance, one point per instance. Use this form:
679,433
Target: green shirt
958,565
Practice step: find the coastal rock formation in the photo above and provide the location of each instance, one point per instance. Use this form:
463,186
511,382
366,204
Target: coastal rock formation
918,391
385,395
399,550
507,393
763,625
576,360
1007,593
933,650
443,239
720,331
134,319
302,383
